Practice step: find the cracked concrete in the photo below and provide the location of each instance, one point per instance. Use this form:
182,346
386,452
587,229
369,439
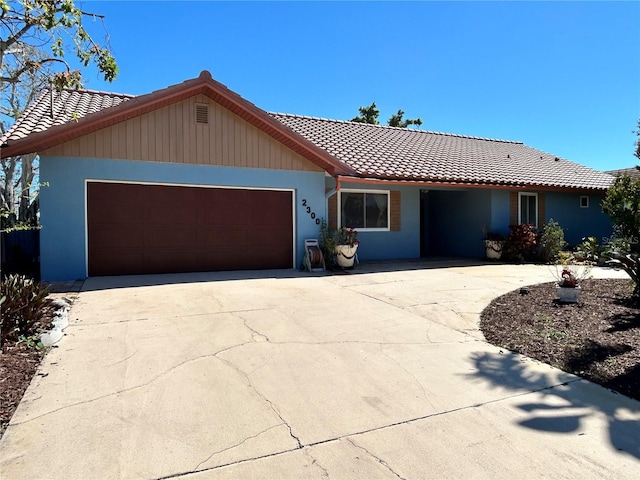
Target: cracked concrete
379,374
377,459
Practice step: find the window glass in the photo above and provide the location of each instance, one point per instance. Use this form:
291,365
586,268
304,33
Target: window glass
528,209
376,210
364,210
584,202
352,210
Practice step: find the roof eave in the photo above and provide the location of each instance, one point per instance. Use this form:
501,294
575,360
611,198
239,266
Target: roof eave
396,181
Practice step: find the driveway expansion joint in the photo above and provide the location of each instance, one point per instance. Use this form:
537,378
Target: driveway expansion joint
348,437
238,462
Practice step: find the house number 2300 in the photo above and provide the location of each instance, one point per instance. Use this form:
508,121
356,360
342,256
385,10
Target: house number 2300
310,212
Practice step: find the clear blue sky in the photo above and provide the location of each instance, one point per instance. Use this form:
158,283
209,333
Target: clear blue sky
563,77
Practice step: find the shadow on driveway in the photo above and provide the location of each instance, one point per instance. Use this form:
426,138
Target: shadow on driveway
565,406
129,281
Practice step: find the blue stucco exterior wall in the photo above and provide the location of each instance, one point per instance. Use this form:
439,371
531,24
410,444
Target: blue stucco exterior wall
578,222
62,202
456,218
453,221
457,221
499,212
401,244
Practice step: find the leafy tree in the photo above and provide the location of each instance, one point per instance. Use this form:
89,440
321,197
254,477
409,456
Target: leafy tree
622,204
34,37
56,24
18,173
371,113
637,152
368,114
397,121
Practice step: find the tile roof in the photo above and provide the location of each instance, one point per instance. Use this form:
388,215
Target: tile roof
342,148
79,112
392,153
53,108
632,172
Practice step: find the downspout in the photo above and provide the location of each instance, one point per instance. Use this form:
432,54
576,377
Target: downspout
327,195
333,190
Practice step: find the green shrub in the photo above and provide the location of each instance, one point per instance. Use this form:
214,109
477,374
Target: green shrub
327,245
619,252
551,241
589,249
24,303
622,204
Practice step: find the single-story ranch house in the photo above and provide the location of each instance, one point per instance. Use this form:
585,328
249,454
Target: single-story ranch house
195,178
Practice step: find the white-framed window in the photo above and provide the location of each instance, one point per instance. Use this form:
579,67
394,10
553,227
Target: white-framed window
584,201
364,209
528,208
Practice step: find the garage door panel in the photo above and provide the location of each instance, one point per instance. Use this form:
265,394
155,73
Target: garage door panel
232,236
109,236
120,262
171,215
225,208
102,200
260,257
164,229
171,260
270,207
226,259
182,236
265,235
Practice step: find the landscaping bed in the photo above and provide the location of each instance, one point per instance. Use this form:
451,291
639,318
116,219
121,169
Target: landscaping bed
22,354
18,365
597,338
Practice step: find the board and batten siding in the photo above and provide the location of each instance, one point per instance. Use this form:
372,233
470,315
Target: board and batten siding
171,135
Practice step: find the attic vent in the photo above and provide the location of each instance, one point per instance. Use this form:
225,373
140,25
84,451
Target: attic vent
202,113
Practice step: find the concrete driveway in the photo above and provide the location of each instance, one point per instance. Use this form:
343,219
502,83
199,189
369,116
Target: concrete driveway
381,373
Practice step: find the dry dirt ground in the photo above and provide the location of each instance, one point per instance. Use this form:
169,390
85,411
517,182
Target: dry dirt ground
18,365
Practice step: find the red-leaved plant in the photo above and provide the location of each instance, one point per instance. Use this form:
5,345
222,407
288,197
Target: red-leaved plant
346,236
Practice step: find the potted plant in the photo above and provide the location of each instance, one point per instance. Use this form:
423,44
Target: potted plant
328,245
346,241
493,244
569,278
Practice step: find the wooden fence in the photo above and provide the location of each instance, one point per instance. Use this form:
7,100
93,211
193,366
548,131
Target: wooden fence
20,252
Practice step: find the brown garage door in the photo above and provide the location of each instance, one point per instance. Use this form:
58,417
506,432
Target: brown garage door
139,229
